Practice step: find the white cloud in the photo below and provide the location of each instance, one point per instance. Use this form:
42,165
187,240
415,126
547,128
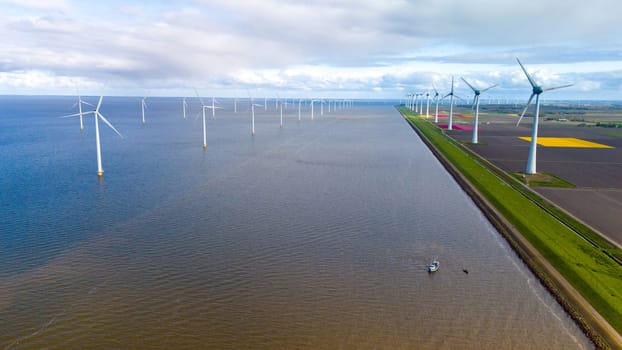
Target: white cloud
319,44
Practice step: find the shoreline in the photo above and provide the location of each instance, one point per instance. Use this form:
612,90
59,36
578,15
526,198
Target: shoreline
594,326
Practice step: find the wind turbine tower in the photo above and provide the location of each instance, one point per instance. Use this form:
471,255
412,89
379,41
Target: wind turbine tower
476,93
536,91
143,105
184,105
427,108
98,115
79,104
451,105
437,98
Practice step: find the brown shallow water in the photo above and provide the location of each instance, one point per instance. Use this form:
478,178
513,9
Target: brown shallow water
311,237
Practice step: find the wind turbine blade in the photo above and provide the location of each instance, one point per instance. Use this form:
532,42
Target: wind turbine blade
473,104
86,103
557,87
525,110
99,104
76,114
466,82
531,81
108,123
488,88
449,94
200,99
73,105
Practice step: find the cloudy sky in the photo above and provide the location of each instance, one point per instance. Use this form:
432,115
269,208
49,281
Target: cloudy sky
347,48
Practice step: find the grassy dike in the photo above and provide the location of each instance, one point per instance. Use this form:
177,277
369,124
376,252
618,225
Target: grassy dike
583,277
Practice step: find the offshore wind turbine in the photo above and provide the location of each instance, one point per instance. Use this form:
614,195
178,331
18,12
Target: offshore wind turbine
299,101
536,91
476,93
97,115
143,105
312,109
253,105
203,107
79,104
184,106
213,107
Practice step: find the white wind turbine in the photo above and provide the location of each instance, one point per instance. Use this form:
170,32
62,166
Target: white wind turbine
184,106
451,105
214,107
79,104
536,91
253,105
97,115
416,103
299,102
437,98
203,107
143,105
281,106
312,109
476,93
427,108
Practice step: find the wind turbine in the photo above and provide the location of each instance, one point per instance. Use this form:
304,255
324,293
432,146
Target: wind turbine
281,114
312,109
100,170
299,101
416,103
253,105
79,104
476,93
203,107
214,107
184,105
451,105
143,105
536,91
437,98
427,108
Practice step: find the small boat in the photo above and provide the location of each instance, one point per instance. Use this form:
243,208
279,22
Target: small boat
434,265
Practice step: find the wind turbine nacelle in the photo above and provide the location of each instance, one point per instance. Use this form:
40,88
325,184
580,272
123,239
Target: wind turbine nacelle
537,90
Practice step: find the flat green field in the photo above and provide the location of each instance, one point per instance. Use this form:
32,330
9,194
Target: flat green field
585,263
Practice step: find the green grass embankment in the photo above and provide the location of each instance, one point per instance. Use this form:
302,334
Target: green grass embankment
583,259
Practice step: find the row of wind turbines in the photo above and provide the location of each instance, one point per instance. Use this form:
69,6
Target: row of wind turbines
343,104
415,104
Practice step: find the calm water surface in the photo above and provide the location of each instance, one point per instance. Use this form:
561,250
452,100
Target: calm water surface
314,236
